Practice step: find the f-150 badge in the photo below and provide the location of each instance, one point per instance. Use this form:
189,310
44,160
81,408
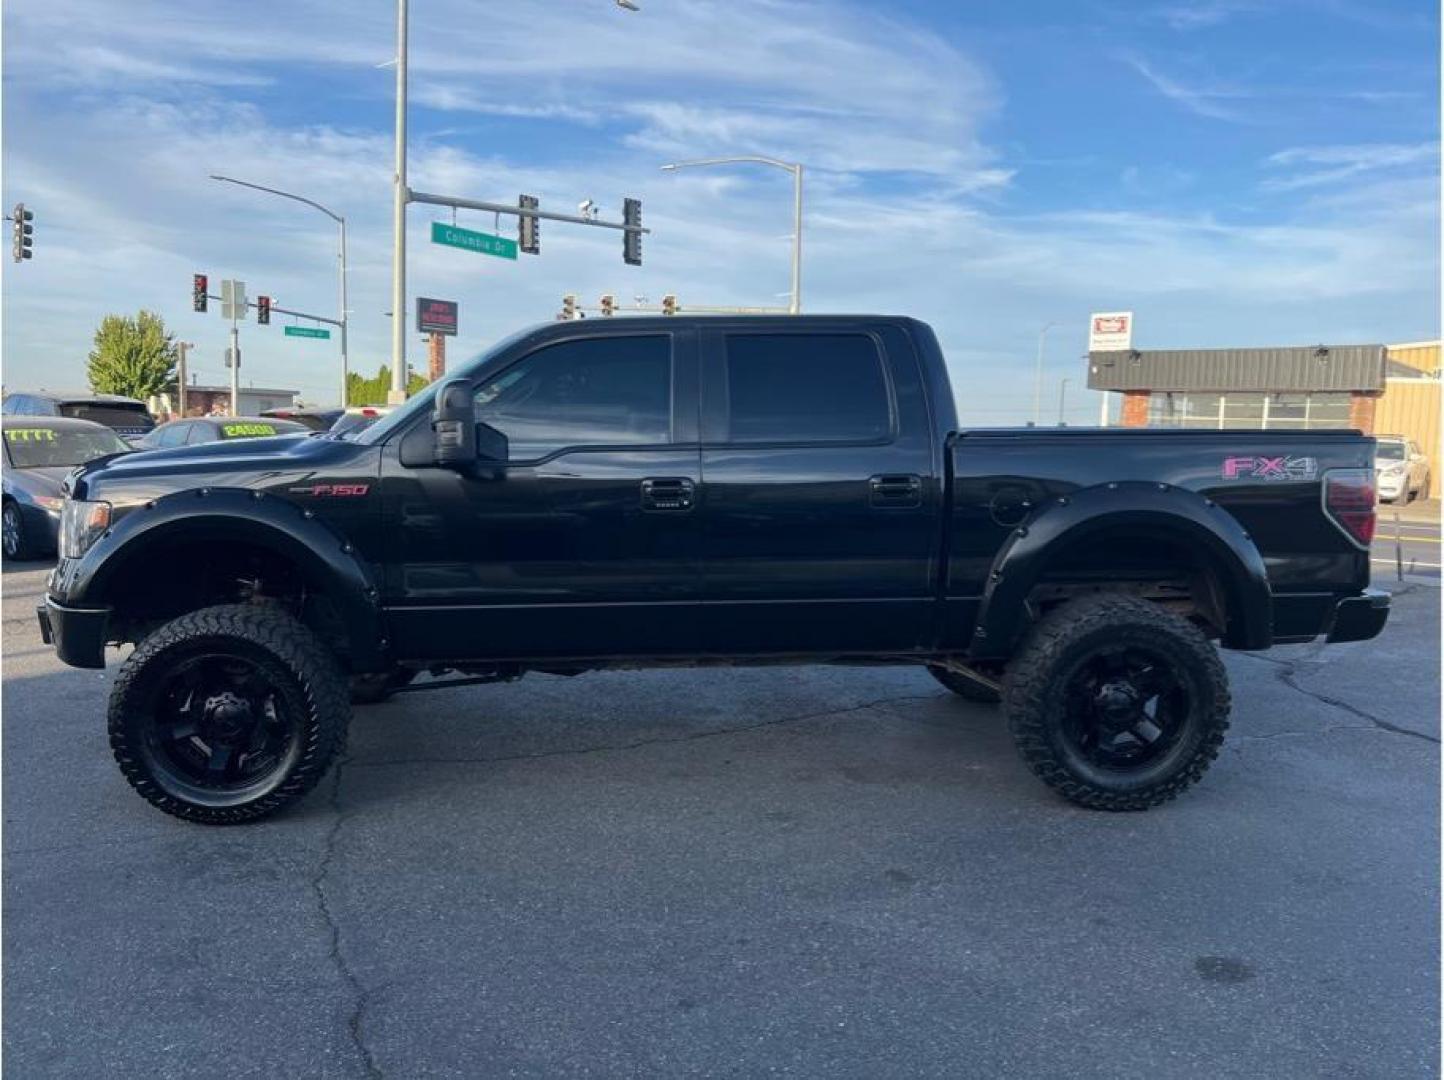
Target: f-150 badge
331,491
1270,468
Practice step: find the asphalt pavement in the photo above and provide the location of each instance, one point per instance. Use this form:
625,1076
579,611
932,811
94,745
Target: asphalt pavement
803,871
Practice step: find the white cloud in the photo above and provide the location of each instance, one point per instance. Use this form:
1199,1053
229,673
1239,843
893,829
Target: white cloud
1202,101
1315,166
125,213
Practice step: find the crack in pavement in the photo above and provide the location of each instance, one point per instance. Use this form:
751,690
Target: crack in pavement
640,743
1288,675
337,957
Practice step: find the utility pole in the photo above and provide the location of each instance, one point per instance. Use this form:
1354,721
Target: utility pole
399,193
1038,376
235,366
181,347
795,168
341,224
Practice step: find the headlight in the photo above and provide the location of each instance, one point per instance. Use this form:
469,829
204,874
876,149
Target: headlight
81,524
50,502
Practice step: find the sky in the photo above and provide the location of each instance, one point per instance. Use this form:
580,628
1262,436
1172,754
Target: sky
1236,172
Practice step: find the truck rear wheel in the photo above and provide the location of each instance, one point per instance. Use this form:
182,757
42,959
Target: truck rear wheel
1117,703
963,686
228,714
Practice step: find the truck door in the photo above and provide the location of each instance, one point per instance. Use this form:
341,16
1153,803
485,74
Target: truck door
585,542
821,502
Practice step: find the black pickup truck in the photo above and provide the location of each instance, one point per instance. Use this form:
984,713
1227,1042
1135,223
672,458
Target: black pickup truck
630,492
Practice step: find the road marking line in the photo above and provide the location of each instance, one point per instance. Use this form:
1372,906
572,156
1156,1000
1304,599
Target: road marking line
1409,564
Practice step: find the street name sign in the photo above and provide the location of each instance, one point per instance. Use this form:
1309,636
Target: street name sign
470,240
306,331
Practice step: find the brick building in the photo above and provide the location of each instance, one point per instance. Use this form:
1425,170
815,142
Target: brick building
1378,389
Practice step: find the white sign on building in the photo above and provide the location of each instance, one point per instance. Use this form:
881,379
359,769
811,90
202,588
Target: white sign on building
1110,331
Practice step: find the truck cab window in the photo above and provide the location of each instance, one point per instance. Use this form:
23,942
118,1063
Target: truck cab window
608,391
806,388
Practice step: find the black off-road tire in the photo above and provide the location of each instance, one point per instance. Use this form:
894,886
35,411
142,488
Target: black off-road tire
1035,699
963,686
372,688
298,669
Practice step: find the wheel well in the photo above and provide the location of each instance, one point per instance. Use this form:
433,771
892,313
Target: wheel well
176,577
1167,569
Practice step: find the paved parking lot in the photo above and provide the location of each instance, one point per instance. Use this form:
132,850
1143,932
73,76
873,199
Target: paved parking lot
808,871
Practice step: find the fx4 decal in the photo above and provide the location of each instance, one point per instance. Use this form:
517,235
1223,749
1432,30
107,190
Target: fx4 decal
1270,468
331,491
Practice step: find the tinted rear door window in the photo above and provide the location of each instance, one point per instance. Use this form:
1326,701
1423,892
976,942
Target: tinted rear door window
806,388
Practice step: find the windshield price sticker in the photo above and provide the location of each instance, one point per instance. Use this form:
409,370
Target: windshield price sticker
237,431
30,434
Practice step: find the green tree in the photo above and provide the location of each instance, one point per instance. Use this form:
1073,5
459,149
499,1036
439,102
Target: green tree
135,357
363,391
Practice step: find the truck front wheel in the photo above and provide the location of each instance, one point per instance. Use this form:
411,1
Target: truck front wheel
228,714
1117,703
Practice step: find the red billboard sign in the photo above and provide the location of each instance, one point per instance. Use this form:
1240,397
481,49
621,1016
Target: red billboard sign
435,316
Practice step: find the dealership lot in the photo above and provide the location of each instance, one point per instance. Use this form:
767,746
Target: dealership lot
800,870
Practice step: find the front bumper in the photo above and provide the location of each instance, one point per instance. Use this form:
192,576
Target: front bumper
1391,487
78,634
1359,618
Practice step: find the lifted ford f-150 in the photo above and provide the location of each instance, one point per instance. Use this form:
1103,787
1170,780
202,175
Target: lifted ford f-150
631,492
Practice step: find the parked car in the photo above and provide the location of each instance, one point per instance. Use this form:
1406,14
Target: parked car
193,430
127,416
315,419
357,419
39,454
1403,471
634,492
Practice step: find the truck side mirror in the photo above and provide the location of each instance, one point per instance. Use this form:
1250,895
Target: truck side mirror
453,425
459,440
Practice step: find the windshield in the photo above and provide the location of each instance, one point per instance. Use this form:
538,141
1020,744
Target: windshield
379,431
111,414
43,447
1390,451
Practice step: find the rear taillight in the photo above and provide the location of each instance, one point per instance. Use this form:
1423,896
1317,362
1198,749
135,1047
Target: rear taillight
1350,501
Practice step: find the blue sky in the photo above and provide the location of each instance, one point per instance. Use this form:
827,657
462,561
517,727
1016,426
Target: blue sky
1237,172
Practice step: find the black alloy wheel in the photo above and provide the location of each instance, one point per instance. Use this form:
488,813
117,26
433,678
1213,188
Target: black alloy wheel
1126,707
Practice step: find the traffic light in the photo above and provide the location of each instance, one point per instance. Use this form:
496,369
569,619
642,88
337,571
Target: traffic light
528,228
199,289
22,229
569,306
263,310
609,304
669,305
632,237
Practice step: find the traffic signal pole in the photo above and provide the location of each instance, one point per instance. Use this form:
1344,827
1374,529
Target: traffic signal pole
235,363
397,394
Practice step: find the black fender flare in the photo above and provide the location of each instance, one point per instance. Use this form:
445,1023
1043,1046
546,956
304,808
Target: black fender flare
1161,510
326,560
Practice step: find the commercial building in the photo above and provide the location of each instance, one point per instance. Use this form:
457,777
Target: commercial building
1378,389
201,400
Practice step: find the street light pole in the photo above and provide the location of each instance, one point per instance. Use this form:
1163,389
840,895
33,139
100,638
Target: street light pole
795,168
1062,394
341,224
397,394
1038,376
